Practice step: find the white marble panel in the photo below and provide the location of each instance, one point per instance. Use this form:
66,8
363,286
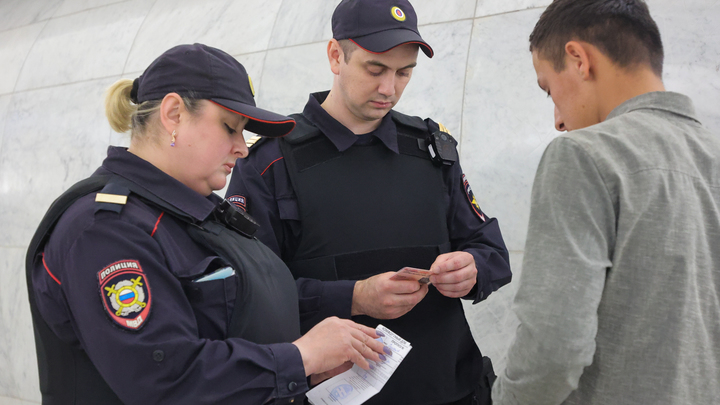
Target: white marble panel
291,74
434,11
15,45
19,375
53,138
507,121
691,39
437,85
492,7
302,22
4,103
75,6
492,322
18,13
237,27
15,401
83,46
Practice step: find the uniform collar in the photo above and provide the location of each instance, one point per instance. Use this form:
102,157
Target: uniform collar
338,134
141,172
675,103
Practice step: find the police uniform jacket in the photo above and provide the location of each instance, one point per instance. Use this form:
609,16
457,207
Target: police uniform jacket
261,184
177,351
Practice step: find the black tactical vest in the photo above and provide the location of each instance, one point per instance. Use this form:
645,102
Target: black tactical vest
266,291
366,211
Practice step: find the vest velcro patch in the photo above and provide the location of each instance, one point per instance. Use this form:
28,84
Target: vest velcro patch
471,197
125,293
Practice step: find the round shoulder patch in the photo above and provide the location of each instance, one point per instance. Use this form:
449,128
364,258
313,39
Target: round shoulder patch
471,197
398,14
125,293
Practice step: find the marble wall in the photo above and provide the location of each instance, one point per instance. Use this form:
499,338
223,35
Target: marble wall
58,56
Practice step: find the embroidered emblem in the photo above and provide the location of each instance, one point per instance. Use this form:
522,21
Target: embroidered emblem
471,198
252,88
398,14
239,201
126,293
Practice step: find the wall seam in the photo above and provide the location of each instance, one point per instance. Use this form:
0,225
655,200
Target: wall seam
467,64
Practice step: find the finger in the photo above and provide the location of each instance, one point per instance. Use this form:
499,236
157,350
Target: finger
364,329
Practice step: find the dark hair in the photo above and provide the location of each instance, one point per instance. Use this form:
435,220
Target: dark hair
621,29
348,47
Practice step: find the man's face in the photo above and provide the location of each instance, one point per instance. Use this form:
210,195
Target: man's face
575,105
371,84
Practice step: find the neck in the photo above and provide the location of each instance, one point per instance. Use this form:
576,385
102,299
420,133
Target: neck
335,107
622,85
151,152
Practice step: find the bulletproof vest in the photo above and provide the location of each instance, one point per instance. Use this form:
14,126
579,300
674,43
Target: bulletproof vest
368,210
266,291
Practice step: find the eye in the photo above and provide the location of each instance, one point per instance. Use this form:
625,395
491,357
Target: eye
376,72
230,130
404,73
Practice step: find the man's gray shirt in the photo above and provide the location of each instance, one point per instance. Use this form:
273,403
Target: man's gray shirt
619,297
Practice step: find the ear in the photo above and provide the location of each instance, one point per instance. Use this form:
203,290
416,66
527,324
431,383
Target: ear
171,109
578,58
335,55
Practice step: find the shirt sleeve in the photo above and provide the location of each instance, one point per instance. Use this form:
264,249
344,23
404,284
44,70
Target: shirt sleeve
165,361
473,232
567,255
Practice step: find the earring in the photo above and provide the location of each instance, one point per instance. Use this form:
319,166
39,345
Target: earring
173,139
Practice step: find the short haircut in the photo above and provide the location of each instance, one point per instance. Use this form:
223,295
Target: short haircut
348,47
621,29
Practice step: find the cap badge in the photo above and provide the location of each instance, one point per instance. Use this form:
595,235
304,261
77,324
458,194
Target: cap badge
252,88
398,14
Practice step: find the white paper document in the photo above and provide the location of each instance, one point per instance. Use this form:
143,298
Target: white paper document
356,385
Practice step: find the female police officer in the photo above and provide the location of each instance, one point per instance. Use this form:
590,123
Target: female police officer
150,290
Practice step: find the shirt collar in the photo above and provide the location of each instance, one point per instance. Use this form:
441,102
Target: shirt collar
141,172
338,134
675,103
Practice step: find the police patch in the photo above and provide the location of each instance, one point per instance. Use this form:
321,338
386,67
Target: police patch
471,197
398,14
239,201
125,293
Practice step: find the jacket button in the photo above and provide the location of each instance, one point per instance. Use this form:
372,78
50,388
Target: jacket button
292,386
158,355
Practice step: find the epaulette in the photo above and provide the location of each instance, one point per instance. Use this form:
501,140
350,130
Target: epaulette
112,197
252,141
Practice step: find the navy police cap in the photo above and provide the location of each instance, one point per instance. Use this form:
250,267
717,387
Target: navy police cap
204,72
378,25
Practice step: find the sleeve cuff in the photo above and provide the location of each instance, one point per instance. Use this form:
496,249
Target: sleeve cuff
291,383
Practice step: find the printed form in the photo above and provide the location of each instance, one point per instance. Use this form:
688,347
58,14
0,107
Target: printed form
356,385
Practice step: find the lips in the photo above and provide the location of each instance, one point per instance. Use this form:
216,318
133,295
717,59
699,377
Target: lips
229,166
381,104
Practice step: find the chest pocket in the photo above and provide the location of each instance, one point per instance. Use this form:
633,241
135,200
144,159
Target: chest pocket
211,288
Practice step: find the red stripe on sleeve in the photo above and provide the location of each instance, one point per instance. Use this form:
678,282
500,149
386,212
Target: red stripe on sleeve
48,270
156,224
271,163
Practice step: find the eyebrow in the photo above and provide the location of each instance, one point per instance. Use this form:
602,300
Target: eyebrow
382,65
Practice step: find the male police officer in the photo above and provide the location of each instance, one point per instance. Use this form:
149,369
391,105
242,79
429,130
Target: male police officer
359,191
618,300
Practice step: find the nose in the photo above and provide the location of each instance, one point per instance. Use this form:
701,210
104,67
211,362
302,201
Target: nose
240,148
387,84
559,123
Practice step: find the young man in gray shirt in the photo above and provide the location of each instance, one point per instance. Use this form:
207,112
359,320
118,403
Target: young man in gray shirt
619,298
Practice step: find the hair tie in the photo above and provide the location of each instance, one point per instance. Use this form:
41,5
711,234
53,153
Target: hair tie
134,91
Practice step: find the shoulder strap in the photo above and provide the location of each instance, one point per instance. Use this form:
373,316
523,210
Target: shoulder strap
58,207
304,130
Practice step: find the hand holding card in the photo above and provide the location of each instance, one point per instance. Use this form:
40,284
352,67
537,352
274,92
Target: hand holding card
411,273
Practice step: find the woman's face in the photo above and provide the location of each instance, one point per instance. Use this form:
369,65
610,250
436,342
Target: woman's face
207,146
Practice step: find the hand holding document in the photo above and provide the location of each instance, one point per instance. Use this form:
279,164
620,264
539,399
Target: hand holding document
356,385
411,273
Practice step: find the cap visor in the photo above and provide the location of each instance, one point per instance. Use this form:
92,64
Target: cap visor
384,41
262,122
